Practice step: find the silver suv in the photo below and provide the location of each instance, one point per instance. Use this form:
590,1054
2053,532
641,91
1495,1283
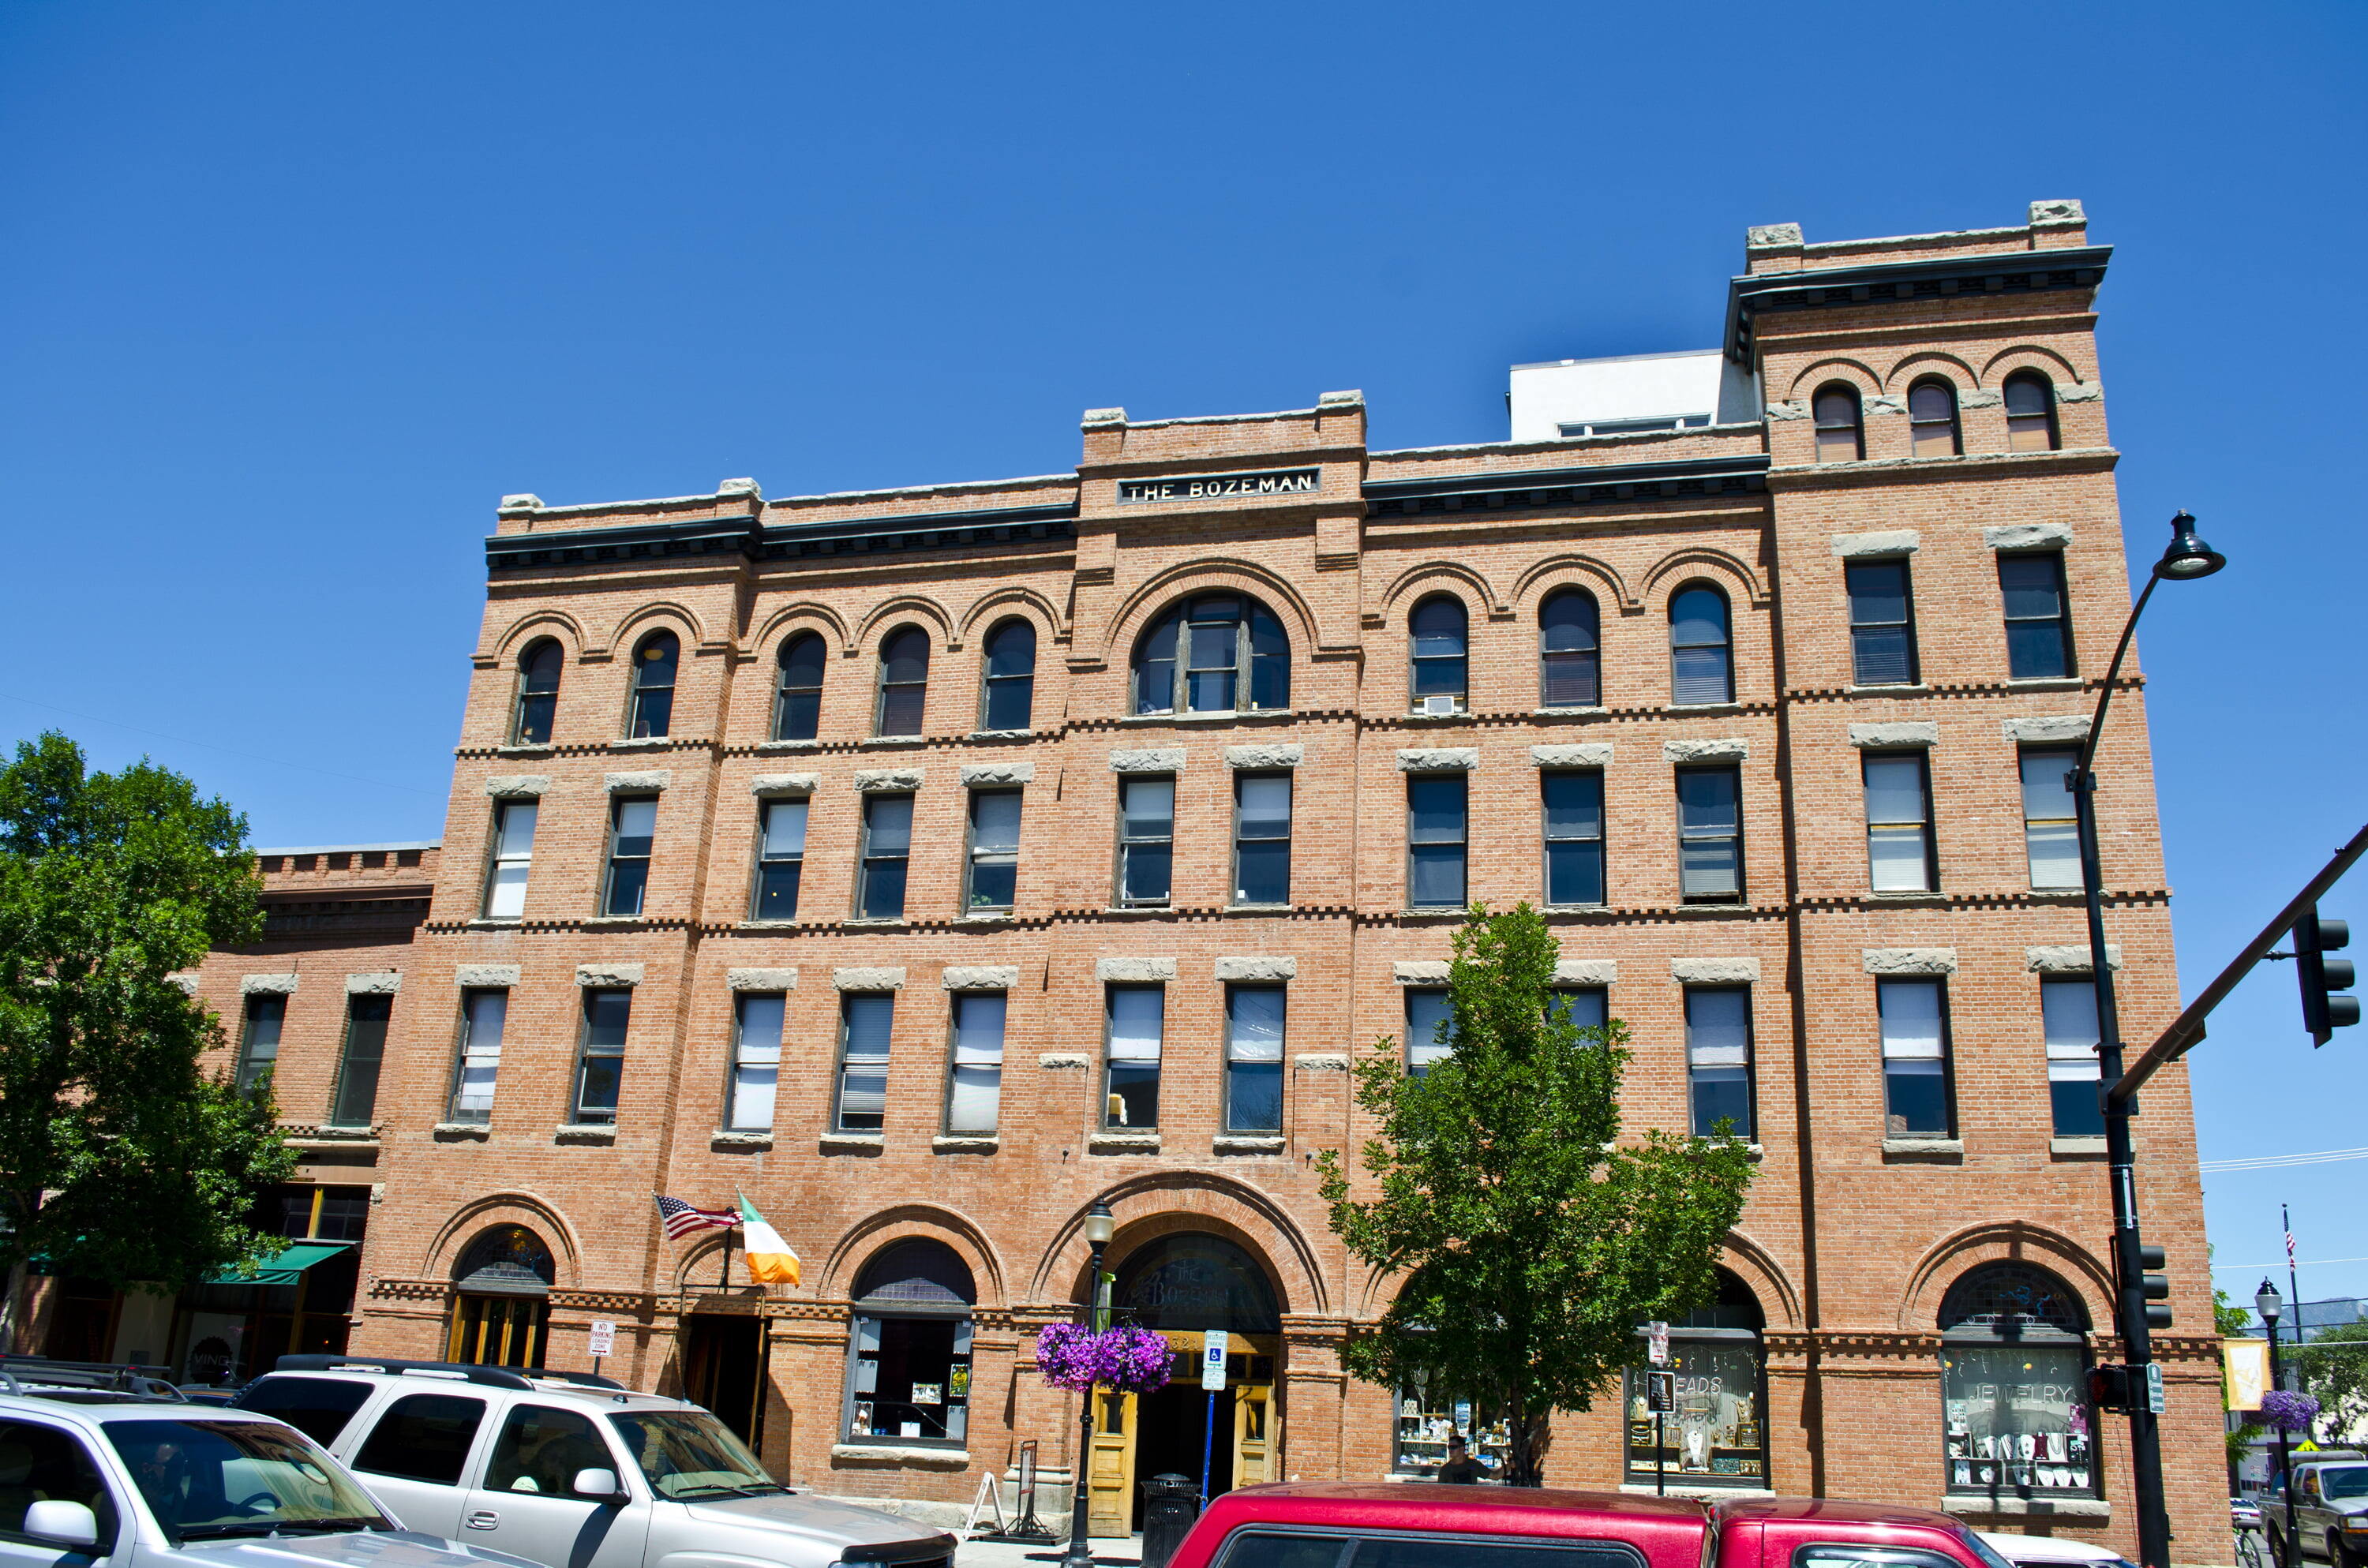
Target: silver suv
100,1461
570,1471
2331,1511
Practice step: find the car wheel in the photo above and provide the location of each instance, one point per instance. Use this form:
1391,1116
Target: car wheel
2337,1556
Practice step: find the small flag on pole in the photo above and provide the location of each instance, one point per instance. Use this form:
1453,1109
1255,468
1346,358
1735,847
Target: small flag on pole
770,1257
2290,1258
682,1220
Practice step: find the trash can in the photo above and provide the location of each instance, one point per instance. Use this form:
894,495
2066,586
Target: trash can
1170,1504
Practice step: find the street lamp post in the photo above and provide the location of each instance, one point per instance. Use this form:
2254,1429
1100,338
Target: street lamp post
1098,1229
2188,557
2267,1302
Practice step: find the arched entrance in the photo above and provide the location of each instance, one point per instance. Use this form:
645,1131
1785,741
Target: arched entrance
501,1309
1185,1286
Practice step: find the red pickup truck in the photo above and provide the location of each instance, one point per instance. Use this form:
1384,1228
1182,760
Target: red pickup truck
1423,1525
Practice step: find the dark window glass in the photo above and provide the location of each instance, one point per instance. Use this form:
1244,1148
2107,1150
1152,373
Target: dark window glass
1899,823
2029,413
1269,660
1155,666
994,849
797,707
2067,1010
50,1464
600,1072
1882,631
1574,832
1718,1058
1701,657
904,681
1590,1006
258,1051
1438,630
654,672
1137,1020
887,848
780,858
1010,675
1933,420
1435,829
1195,657
1212,629
912,1378
318,1407
1917,1102
356,1100
1710,834
1568,652
1262,838
423,1437
1146,838
632,827
1254,1029
866,1019
541,1450
2038,630
538,694
1840,432
1429,1027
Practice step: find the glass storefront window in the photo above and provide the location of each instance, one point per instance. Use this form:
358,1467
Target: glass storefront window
2017,1419
1717,1435
908,1378
1428,1414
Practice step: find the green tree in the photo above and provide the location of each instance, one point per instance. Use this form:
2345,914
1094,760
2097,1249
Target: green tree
1531,1246
121,1158
2335,1369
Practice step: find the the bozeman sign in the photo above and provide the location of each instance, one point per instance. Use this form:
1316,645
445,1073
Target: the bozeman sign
1203,487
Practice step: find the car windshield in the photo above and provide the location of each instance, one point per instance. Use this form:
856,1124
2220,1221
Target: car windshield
209,1480
2347,1480
691,1454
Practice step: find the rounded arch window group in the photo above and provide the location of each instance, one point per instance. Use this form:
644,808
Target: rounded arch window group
1837,417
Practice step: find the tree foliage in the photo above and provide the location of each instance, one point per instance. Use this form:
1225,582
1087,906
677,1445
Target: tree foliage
2335,1369
120,1158
1531,1247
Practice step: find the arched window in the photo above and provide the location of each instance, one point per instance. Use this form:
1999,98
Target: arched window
1195,655
2029,413
2015,1418
653,665
1569,659
537,693
1841,431
1010,675
1192,1281
904,681
501,1309
913,1305
797,705
1932,419
1437,644
1701,656
1717,1435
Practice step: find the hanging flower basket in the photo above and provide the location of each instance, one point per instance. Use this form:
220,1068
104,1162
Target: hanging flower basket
1128,1359
2288,1411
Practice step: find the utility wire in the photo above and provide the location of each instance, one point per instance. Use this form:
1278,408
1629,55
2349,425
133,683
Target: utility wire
2280,1162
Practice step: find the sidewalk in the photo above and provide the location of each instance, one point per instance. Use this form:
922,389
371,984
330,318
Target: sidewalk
1111,1552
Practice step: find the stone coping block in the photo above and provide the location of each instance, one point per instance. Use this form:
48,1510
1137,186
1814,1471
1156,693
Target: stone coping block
954,1144
975,773
2069,959
1714,972
760,979
1063,1061
518,786
637,783
1122,1141
1910,960
981,977
1134,969
383,982
1730,748
784,784
1264,756
867,978
266,984
1148,760
609,973
1257,969
1587,754
1897,733
1419,971
894,779
1888,542
1439,759
2028,536
483,976
1586,971
2047,727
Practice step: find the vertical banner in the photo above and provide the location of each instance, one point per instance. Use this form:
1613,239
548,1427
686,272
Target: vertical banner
2245,1371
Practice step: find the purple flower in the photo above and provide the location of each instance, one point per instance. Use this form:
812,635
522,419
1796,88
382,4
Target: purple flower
2287,1411
1130,1360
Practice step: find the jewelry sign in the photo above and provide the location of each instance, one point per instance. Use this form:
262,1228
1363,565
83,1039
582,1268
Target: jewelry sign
1212,486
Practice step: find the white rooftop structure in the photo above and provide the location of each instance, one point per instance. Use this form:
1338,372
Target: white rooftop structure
1564,399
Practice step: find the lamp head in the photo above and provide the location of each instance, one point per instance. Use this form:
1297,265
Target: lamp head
2188,556
1099,1226
2267,1303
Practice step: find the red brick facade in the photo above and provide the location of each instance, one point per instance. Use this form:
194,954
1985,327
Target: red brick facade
1850,1240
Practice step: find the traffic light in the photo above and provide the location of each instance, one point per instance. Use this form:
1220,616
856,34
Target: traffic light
2110,1387
2155,1286
2324,1010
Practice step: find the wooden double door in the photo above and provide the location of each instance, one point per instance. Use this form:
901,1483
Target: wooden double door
1174,1430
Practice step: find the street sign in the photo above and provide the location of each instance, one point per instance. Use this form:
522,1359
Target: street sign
1214,1344
2155,1401
1660,1392
603,1339
1656,1343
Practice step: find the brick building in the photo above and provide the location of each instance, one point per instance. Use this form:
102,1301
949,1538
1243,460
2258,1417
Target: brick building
1137,797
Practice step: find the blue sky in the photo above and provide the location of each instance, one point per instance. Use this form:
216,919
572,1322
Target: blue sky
293,293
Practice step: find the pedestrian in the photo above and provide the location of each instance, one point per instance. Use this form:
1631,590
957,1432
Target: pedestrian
1461,1469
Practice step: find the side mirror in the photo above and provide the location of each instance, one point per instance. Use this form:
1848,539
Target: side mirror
62,1523
600,1485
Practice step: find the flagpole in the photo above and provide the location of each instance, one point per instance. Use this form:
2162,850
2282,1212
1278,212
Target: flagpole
2292,1283
729,1232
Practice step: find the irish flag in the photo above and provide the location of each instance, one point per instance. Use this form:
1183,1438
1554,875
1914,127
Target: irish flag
770,1257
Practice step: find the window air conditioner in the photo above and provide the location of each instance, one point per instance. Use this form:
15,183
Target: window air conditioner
1439,707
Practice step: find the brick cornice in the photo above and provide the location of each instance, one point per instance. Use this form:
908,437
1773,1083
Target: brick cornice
1971,469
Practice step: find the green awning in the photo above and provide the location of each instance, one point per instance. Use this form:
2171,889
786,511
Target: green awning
286,1266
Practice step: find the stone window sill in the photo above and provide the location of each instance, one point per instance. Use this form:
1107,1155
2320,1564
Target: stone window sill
361,1142
753,1142
954,1144
1439,911
891,741
1259,908
1122,1143
1227,716
766,926
585,1133
497,923
1237,1144
2059,895
869,1144
1461,716
647,742
2047,683
789,745
1138,909
1702,709
977,922
1911,900
1951,1151
891,1453
1576,908
614,921
984,912
524,751
1903,688
1986,1507
1000,735
2077,1148
874,925
480,1130
1590,711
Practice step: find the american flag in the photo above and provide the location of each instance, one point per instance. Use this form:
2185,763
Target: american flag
682,1220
